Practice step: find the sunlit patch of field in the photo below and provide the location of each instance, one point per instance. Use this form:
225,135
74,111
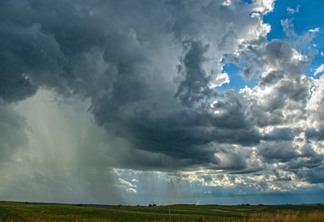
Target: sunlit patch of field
13,211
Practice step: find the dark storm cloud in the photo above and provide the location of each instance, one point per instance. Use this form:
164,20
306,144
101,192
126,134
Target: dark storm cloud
12,132
104,50
306,161
279,134
16,40
312,175
277,151
147,75
194,87
315,134
188,135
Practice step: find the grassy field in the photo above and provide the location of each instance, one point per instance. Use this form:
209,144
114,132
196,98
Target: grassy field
13,211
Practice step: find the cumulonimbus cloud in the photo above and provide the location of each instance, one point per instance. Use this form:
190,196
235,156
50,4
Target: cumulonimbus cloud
147,68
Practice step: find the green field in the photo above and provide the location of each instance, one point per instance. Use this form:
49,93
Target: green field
13,211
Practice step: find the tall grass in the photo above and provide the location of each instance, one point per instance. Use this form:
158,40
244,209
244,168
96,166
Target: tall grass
178,213
288,216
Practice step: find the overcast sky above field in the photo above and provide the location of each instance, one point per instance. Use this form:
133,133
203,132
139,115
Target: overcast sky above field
162,101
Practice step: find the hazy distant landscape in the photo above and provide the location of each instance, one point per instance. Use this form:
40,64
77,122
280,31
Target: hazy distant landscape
14,211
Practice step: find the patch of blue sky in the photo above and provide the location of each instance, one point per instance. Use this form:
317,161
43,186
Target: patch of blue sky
237,81
247,1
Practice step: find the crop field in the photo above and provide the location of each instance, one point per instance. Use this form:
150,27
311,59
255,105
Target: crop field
14,211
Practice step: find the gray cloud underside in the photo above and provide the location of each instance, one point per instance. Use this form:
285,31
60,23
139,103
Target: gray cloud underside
147,72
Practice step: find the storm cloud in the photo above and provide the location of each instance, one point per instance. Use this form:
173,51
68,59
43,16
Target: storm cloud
149,76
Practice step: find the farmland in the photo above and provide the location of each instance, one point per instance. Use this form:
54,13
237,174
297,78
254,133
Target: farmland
15,211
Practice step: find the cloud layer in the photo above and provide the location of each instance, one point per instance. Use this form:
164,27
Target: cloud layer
150,73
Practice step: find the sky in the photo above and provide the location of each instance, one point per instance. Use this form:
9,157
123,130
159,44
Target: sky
162,101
